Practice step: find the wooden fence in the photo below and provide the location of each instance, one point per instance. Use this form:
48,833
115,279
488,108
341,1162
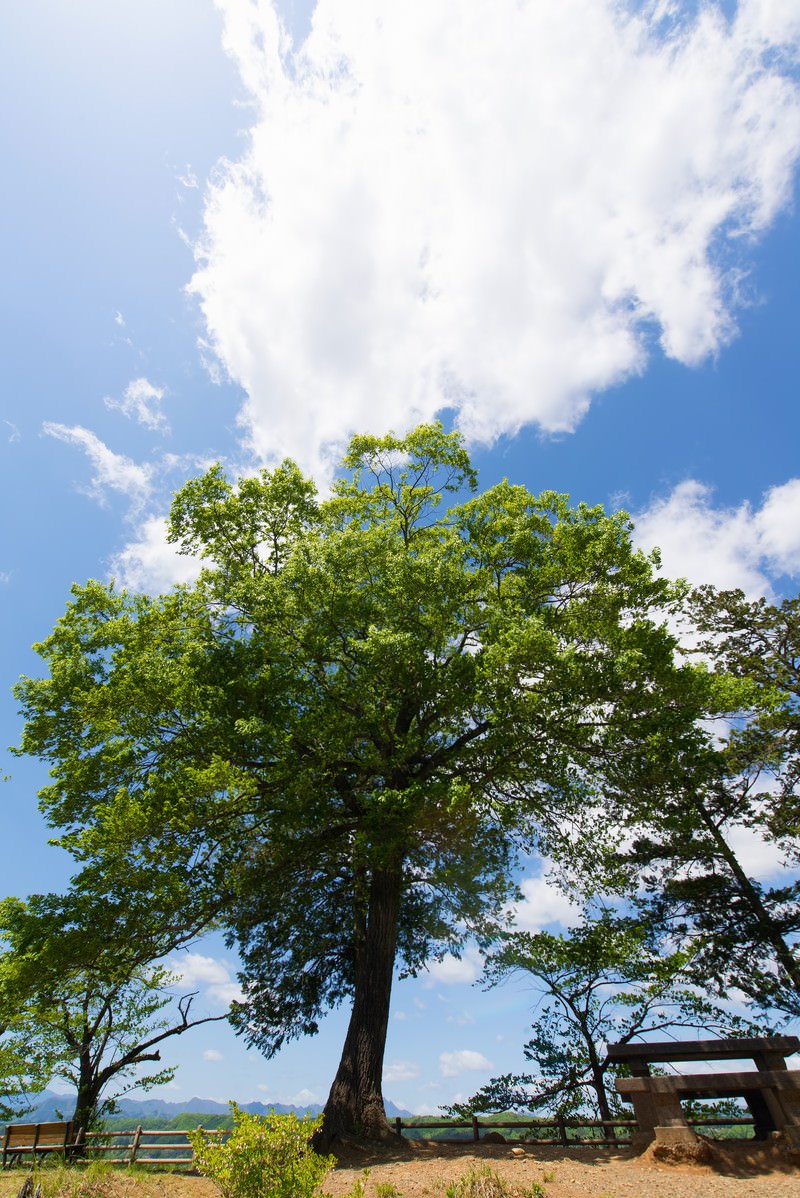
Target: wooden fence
172,1148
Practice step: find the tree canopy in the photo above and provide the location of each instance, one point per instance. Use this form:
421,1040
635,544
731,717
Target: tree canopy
335,743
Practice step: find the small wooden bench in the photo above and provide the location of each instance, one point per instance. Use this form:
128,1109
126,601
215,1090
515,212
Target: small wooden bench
771,1091
35,1138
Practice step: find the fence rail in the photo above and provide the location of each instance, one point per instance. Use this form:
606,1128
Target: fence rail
172,1148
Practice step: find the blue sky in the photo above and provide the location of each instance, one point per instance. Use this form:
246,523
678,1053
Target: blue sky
230,234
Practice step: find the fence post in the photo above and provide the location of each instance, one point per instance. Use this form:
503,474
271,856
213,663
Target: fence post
476,1135
562,1129
398,1126
137,1135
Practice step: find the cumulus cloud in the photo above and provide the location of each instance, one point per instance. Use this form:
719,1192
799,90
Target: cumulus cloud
454,971
197,971
401,1071
496,209
141,401
211,1054
451,1064
112,471
543,904
744,546
150,563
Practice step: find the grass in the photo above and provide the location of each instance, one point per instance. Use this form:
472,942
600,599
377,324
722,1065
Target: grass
486,1183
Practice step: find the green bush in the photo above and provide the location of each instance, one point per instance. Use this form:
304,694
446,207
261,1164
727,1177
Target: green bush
265,1156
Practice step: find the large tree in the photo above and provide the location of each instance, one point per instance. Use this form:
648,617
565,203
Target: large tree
343,733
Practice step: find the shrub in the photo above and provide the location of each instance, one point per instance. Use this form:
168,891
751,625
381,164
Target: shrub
265,1156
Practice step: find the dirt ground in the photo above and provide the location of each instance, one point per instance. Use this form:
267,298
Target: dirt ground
423,1170
737,1171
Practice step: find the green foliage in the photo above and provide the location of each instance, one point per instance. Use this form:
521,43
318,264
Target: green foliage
75,1002
25,1070
385,1189
684,865
264,1157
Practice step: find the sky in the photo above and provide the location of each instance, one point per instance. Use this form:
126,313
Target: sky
244,229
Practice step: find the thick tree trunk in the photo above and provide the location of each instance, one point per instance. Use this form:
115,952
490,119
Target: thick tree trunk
355,1103
87,1099
84,1116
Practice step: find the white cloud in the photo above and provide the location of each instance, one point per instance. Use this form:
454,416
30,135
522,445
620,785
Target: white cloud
455,971
451,1064
112,470
196,970
15,434
141,401
543,904
462,1020
764,861
494,208
400,1071
744,546
151,563
303,1098
211,1054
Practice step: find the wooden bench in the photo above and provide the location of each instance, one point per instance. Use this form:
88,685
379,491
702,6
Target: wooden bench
771,1091
36,1138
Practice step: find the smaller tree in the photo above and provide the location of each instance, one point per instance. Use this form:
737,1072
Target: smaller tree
92,1017
606,981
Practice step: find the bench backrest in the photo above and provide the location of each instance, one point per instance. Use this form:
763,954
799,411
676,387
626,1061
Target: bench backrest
769,1049
22,1136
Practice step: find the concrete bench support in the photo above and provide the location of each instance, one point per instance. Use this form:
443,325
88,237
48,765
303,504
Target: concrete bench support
773,1097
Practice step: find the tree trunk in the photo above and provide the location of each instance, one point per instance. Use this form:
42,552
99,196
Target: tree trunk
355,1104
85,1116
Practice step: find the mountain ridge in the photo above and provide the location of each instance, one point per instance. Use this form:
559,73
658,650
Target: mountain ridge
53,1106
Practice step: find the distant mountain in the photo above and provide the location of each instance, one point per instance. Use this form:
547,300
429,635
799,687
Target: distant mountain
60,1106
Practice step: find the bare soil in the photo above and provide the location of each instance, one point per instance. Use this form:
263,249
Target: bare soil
420,1169
423,1170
